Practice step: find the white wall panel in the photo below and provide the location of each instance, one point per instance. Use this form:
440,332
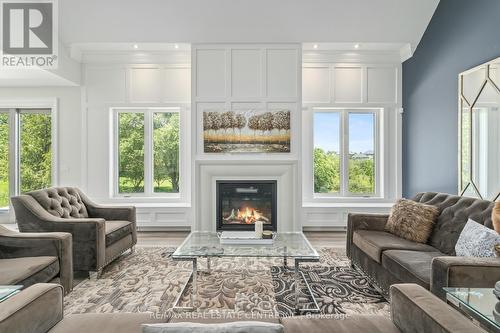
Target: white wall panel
145,85
282,73
347,87
381,84
211,73
106,84
176,85
246,73
316,85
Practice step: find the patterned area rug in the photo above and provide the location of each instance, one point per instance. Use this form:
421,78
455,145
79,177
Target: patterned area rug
149,281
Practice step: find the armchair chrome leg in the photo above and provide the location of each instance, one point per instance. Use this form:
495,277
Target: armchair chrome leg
132,250
94,275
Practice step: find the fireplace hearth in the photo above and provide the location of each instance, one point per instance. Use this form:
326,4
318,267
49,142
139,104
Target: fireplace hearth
240,203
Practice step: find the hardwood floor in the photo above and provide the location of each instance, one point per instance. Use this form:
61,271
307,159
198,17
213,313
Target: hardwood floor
175,238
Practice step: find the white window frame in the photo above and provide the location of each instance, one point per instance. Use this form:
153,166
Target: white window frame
148,153
13,108
344,193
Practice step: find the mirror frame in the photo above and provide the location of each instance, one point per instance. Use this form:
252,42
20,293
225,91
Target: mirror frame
463,103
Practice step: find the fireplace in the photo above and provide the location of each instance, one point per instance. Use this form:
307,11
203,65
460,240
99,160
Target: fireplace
240,203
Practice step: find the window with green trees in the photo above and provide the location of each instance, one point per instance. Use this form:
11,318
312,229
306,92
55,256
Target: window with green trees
25,151
148,151
344,152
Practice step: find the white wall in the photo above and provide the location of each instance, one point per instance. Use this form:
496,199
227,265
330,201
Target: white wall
68,152
69,125
242,77
354,80
227,76
121,81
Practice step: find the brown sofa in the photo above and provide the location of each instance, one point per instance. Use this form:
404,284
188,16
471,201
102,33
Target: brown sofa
388,259
414,309
100,233
29,258
39,309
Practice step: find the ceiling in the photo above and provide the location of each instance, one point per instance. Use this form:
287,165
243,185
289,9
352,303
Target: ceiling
195,21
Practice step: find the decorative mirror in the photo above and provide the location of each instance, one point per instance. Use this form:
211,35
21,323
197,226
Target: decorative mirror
479,128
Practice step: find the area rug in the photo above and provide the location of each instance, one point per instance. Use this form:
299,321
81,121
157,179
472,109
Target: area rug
150,280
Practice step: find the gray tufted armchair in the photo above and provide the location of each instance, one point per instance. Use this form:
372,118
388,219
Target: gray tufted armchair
100,233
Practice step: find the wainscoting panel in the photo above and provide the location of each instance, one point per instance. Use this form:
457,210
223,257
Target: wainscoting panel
246,69
211,73
282,73
316,84
177,84
109,83
335,217
348,84
145,85
381,83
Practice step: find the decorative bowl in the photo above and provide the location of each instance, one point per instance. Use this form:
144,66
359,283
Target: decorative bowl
496,291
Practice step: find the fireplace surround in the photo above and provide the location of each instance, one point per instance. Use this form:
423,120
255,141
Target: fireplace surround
240,203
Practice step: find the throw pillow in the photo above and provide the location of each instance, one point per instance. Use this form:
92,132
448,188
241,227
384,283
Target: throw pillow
233,327
412,220
495,217
476,240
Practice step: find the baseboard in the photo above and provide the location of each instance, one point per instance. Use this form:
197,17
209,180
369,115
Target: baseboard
163,228
326,229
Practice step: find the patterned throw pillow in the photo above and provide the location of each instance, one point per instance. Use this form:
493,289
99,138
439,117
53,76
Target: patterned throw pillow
476,240
412,220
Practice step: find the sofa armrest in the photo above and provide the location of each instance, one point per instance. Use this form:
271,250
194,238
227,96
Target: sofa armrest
59,244
121,213
415,309
470,272
356,221
89,234
35,309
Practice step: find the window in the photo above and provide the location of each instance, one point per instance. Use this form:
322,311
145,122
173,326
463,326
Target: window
345,152
147,152
25,151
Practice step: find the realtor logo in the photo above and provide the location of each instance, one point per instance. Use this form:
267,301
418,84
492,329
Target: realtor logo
29,33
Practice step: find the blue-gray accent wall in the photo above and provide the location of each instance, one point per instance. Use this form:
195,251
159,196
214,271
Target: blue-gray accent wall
461,34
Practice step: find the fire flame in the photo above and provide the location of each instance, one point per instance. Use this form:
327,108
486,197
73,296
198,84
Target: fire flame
248,215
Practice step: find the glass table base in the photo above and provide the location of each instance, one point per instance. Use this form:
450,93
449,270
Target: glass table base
298,277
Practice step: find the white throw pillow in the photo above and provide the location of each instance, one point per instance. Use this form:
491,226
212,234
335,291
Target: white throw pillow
233,327
476,240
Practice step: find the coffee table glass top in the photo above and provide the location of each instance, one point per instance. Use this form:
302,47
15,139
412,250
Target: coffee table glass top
480,301
8,291
207,244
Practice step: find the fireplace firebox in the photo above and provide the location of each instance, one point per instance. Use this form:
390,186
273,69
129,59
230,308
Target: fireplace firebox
240,203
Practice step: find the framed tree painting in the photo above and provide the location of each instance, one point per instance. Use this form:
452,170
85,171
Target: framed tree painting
249,131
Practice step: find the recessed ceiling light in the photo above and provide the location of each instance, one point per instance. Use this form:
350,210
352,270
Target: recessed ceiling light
315,46
136,46
356,46
176,46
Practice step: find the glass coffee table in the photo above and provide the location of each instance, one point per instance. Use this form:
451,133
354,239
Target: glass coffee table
207,245
477,303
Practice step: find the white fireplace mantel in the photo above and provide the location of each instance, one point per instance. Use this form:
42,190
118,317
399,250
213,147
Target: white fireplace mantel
284,172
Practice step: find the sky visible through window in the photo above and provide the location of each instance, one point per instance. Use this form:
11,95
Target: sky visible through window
326,131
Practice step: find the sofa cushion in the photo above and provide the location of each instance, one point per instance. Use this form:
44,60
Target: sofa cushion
354,323
28,270
116,230
412,220
410,266
103,322
476,240
64,202
455,212
373,243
